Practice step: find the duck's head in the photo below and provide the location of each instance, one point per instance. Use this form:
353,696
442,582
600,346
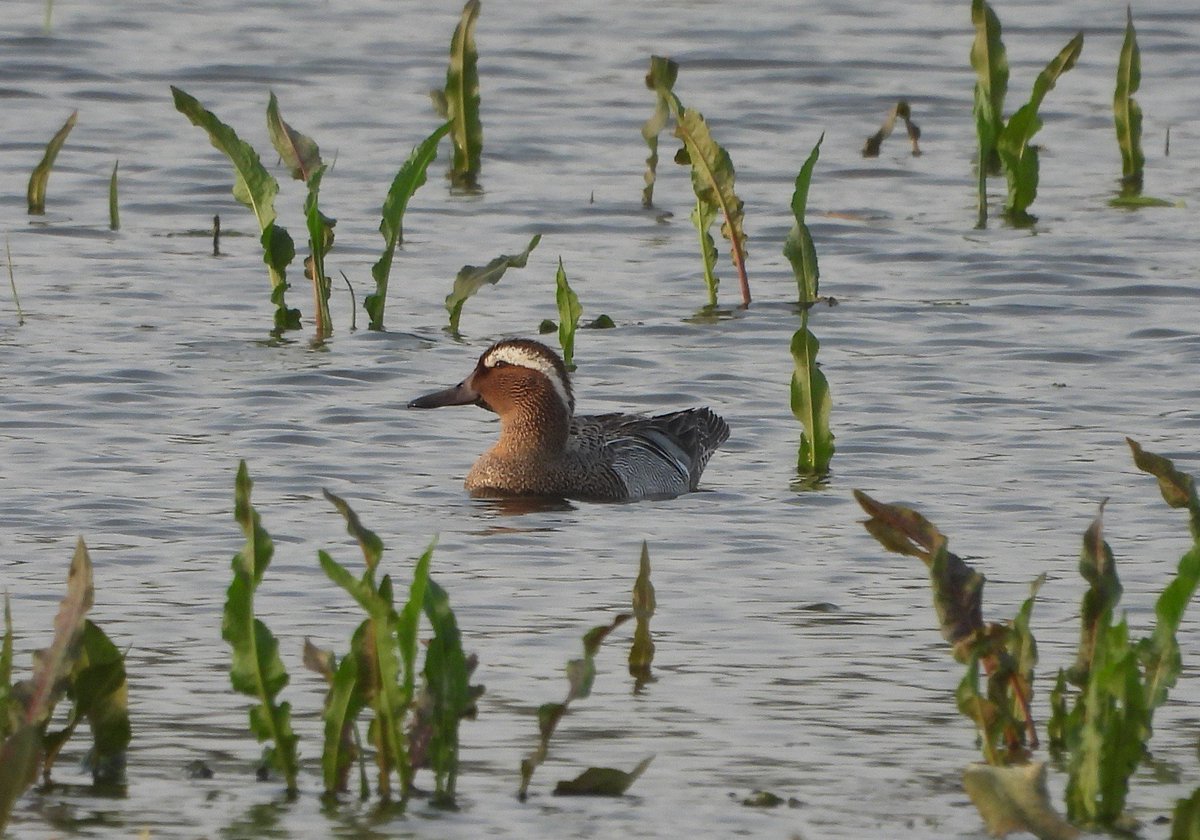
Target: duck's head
510,376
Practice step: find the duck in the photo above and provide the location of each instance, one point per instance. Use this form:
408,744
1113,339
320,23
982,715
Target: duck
545,449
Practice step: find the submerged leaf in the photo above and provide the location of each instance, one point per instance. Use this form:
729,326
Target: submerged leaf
471,279
1015,799
602,781
661,80
410,177
461,101
36,193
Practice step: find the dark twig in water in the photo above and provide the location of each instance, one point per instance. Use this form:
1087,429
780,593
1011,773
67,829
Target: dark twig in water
216,236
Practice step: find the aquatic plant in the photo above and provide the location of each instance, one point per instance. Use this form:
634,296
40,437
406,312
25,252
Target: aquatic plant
713,183
320,241
410,177
459,101
12,282
256,188
641,652
81,664
299,152
1127,118
798,247
1006,145
256,669
902,111
470,279
114,212
1101,708
811,404
569,312
36,193
660,79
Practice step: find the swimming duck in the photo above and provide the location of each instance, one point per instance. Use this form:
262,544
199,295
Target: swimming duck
546,450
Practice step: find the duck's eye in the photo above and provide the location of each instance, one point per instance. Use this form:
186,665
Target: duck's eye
500,363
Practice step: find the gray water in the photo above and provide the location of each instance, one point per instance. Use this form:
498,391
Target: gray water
987,377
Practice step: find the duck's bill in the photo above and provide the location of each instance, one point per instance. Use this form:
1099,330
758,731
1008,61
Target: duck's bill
460,394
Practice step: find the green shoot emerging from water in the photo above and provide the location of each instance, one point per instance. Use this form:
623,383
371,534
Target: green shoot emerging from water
36,193
1127,117
471,279
581,673
391,225
256,188
641,653
799,248
811,404
661,80
712,181
569,312
256,669
320,241
990,60
114,213
459,102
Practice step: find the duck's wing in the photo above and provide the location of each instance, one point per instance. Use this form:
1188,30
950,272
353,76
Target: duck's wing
662,455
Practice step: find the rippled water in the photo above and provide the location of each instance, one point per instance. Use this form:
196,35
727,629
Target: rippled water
987,377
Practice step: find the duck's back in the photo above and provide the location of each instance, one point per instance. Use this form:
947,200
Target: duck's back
651,456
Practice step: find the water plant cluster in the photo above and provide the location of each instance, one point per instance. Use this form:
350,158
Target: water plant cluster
1102,707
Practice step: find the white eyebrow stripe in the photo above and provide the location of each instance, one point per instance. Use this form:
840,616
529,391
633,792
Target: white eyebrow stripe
526,358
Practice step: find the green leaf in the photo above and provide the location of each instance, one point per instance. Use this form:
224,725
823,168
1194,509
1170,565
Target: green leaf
1178,489
990,62
1127,114
446,680
1098,568
114,212
1056,727
641,653
342,706
462,101
256,669
100,691
798,247
471,279
53,666
300,153
1185,823
713,183
8,705
580,675
569,312
703,216
661,80
602,781
320,241
256,188
368,540
19,757
1019,158
410,177
40,177
811,404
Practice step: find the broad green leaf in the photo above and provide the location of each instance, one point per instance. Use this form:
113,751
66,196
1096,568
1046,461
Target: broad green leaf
712,181
320,241
602,781
256,188
811,404
300,153
703,216
446,680
410,618
1127,114
641,653
256,669
1178,489
410,177
798,248
114,211
1019,158
36,193
471,279
902,530
342,706
661,80
462,101
990,61
1015,798
20,753
100,691
569,312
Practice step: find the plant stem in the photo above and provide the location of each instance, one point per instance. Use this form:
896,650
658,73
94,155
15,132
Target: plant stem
13,283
